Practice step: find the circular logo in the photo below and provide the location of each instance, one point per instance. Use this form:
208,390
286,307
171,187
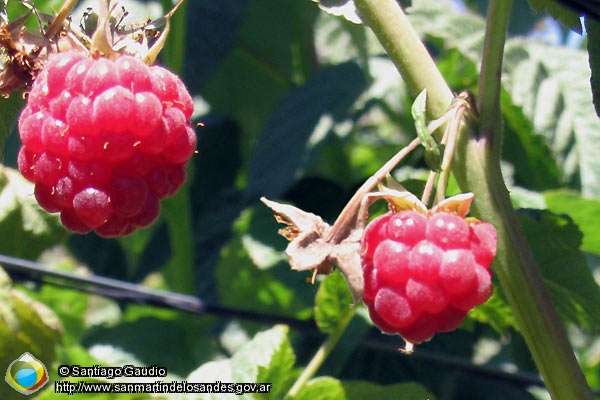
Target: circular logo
26,374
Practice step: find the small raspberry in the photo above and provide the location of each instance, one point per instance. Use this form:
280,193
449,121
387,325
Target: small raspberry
424,270
105,140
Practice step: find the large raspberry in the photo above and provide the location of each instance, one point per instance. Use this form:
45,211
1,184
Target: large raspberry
424,270
104,140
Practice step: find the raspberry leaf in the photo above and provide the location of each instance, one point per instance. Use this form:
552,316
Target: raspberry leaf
26,325
301,121
584,212
332,301
25,228
269,350
555,241
10,110
325,387
496,313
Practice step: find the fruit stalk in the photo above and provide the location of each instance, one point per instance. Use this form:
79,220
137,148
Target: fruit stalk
477,170
322,353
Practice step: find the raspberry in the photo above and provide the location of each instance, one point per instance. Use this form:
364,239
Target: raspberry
105,140
424,270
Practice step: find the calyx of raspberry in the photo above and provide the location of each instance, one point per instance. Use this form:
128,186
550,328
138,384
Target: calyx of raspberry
423,269
25,53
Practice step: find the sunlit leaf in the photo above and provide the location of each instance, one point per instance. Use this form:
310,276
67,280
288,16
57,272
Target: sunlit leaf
332,301
555,241
323,388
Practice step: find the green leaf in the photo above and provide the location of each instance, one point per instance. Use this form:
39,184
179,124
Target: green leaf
331,388
495,312
332,301
552,86
10,111
565,15
338,40
211,37
440,20
298,125
26,230
584,213
31,327
322,389
278,370
535,167
267,356
254,256
592,28
275,291
555,241
259,352
266,62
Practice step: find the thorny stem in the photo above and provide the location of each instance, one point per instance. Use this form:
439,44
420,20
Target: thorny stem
515,265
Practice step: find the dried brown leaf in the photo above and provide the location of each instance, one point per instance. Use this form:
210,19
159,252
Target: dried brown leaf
309,248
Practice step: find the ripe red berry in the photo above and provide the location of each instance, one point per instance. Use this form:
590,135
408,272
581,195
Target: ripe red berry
424,270
104,140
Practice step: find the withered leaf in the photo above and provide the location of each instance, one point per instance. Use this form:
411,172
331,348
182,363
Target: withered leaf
309,248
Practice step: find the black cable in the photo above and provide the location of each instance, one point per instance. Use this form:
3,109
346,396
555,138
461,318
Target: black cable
20,269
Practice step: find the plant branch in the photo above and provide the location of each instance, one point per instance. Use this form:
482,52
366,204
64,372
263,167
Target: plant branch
488,103
479,171
322,353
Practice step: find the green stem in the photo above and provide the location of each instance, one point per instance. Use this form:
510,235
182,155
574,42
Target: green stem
515,266
477,169
488,104
179,271
322,353
177,210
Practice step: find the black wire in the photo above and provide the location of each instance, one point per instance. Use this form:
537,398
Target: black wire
24,270
20,269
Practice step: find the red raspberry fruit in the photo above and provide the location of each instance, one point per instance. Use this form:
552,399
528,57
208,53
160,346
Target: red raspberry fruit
105,140
424,270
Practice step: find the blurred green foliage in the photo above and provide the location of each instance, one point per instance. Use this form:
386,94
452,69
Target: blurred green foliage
303,106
